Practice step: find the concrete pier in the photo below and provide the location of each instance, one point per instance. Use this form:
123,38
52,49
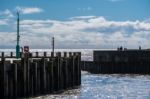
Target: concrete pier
119,62
33,75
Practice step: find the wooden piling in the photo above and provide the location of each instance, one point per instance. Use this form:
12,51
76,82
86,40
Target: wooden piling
11,54
79,68
65,71
38,75
43,75
2,77
15,80
51,73
45,54
37,54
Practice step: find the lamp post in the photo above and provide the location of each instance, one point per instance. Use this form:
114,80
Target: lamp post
18,37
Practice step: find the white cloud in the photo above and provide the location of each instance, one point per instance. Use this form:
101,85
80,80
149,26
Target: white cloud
83,32
29,10
3,22
82,17
6,14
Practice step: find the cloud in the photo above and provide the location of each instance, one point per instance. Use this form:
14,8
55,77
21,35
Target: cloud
82,17
3,22
81,32
29,10
6,14
5,17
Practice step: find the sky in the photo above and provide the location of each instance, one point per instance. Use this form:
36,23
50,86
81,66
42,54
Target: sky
103,24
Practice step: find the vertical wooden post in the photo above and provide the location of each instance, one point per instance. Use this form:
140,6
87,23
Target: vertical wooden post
2,55
8,80
37,54
38,76
28,74
65,64
59,69
43,76
35,82
71,67
52,54
30,55
65,54
11,54
79,66
76,69
20,54
2,77
56,73
52,74
25,74
45,54
15,73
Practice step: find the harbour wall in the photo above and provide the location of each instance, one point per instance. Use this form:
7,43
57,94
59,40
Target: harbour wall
119,62
33,75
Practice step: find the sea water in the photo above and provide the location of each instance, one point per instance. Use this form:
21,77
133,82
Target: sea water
100,86
115,86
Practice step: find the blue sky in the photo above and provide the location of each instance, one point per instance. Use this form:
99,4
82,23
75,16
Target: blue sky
63,9
76,23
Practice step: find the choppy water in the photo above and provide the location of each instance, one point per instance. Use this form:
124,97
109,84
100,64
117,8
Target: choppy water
98,86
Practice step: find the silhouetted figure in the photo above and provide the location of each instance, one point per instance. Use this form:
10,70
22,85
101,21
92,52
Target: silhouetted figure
140,48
